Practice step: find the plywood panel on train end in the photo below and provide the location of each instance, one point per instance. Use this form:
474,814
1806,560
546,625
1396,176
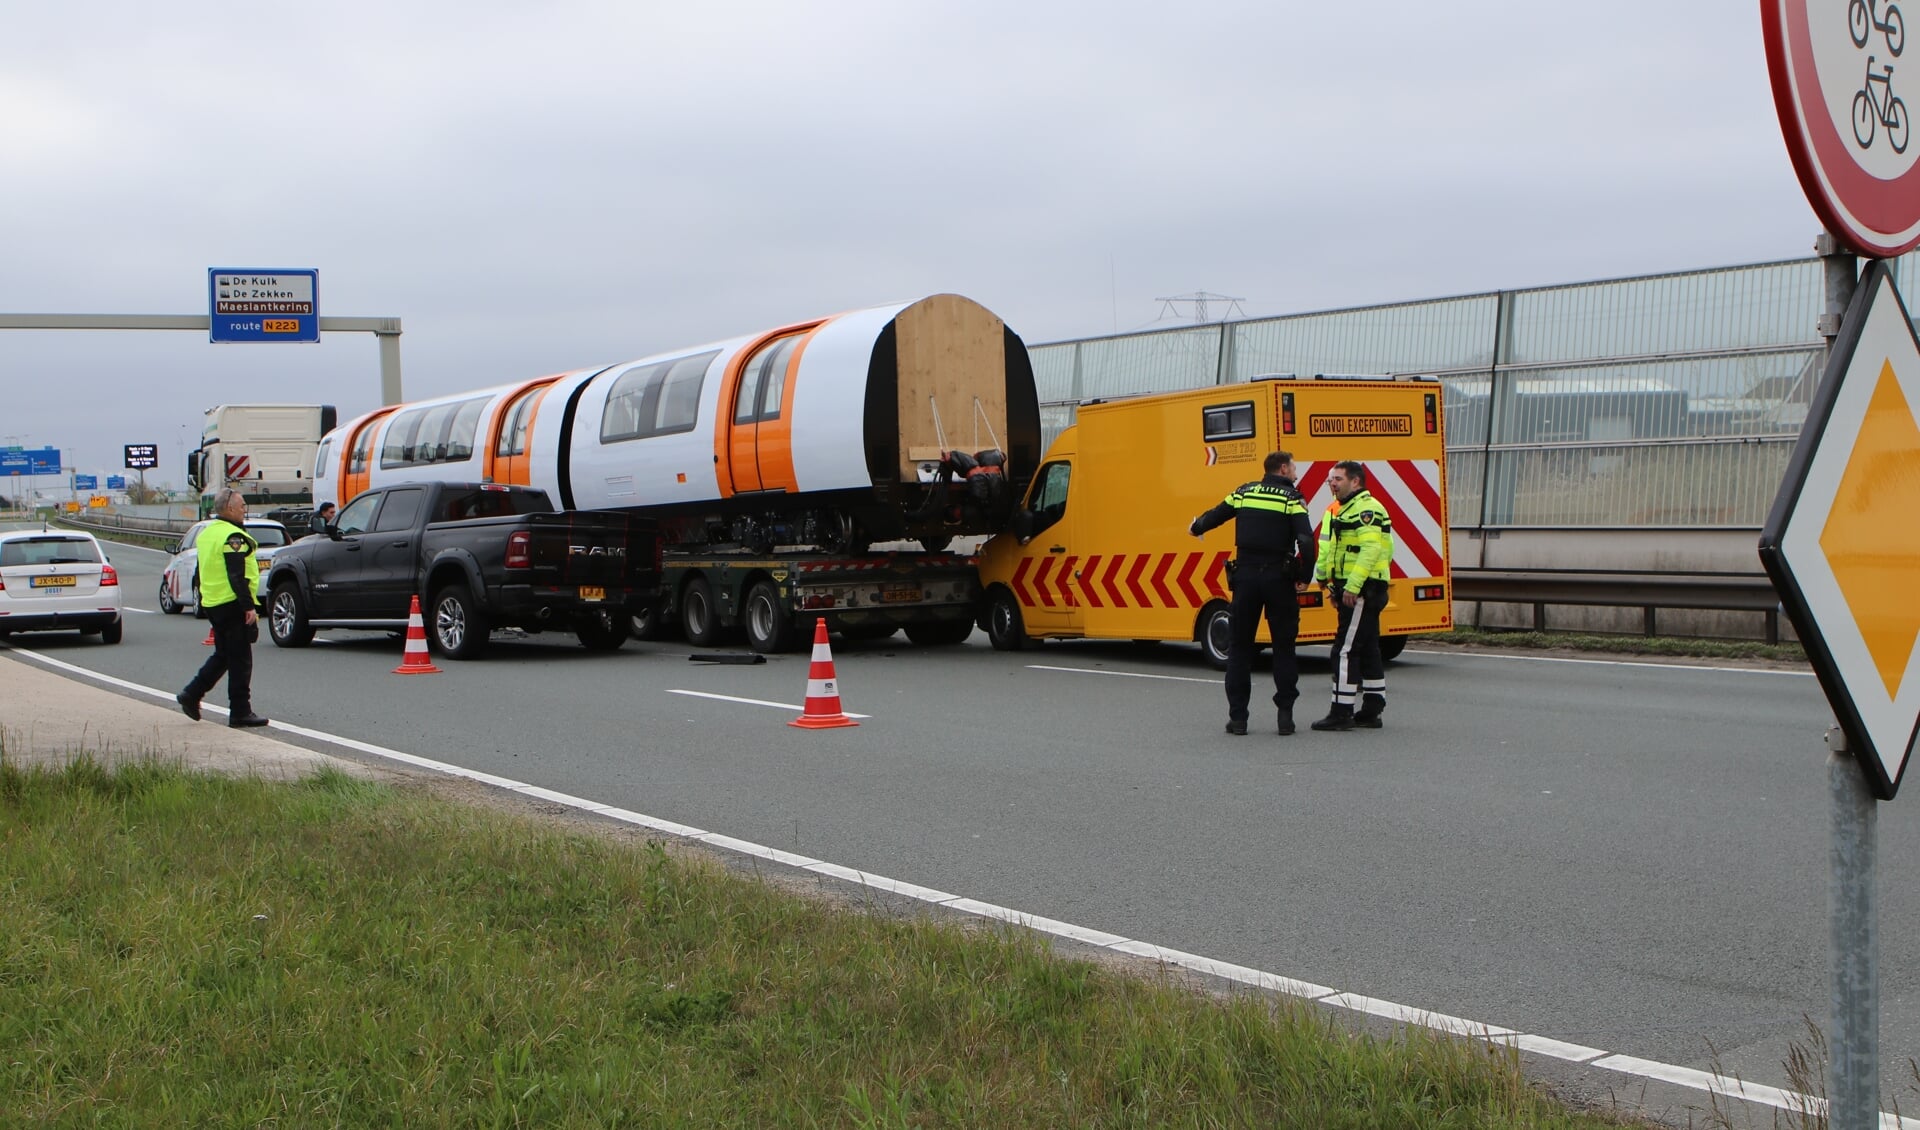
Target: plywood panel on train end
951,354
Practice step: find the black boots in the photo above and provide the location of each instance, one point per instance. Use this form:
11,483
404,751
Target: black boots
1339,718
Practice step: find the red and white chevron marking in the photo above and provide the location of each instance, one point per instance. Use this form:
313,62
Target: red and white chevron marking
1121,580
1410,490
239,466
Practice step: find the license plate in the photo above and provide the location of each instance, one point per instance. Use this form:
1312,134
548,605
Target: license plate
592,592
54,581
899,595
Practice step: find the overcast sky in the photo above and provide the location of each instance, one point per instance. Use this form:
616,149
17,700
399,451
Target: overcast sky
537,187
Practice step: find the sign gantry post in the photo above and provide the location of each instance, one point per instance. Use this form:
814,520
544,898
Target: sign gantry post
1840,544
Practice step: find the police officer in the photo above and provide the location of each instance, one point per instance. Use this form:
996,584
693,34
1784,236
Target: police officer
1274,550
1356,554
229,584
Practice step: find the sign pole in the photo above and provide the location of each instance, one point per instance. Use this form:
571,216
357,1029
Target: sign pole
1853,935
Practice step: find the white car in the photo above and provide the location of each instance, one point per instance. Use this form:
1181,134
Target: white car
57,579
180,581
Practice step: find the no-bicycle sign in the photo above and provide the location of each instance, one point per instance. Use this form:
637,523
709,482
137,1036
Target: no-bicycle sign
1839,71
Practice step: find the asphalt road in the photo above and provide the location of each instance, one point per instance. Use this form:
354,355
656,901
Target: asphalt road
1626,856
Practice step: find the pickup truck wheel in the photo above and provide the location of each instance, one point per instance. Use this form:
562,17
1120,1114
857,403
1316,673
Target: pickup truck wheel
769,624
456,627
1006,631
168,605
699,617
602,631
1216,633
940,633
287,617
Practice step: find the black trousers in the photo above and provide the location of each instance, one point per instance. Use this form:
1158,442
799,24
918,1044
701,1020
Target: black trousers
1359,674
232,656
1258,589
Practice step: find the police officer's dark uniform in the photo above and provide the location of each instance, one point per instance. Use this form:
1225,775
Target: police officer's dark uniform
1273,549
229,587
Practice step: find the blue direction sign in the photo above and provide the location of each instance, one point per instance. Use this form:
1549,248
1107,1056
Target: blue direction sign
30,461
86,482
265,304
116,482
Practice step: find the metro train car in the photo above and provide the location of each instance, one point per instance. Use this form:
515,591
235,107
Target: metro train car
913,421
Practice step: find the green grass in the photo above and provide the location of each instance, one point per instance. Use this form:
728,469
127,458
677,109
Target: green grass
179,949
1629,645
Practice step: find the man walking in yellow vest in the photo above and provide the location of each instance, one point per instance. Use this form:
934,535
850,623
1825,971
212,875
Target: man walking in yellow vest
1355,561
229,599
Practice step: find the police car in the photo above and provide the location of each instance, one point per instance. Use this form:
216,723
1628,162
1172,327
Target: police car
57,579
180,580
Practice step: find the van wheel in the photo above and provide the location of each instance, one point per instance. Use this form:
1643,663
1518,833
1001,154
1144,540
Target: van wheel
699,618
456,627
1006,630
1216,633
769,625
287,617
1391,647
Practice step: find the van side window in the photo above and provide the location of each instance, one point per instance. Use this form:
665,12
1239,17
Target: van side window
1227,421
1049,503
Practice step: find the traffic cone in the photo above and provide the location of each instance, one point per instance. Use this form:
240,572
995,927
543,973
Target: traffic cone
208,642
416,661
822,711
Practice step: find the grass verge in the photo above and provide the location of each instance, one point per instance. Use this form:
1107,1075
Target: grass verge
178,949
1625,645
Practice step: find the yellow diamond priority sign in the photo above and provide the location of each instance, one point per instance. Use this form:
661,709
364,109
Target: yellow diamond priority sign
1842,544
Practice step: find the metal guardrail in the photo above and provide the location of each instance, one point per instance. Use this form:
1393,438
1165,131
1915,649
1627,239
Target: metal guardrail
1733,592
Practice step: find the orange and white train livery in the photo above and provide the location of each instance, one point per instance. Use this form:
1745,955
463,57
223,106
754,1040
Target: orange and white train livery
836,432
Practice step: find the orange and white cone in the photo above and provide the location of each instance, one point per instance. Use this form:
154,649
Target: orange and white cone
822,710
416,661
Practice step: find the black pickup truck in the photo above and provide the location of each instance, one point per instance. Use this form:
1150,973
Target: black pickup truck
480,556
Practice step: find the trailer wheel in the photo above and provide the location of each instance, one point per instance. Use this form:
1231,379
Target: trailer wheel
699,618
1006,630
940,633
1391,647
769,625
1216,633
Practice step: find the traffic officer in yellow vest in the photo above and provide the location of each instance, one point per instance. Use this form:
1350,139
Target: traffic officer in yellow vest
1273,557
229,599
1356,556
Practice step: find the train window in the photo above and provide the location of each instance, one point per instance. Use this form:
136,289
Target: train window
430,442
323,460
466,425
513,436
746,398
680,394
632,402
776,378
1227,421
398,450
362,451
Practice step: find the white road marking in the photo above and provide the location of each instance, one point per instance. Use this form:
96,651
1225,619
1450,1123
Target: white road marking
1691,1078
756,702
1122,674
1614,663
